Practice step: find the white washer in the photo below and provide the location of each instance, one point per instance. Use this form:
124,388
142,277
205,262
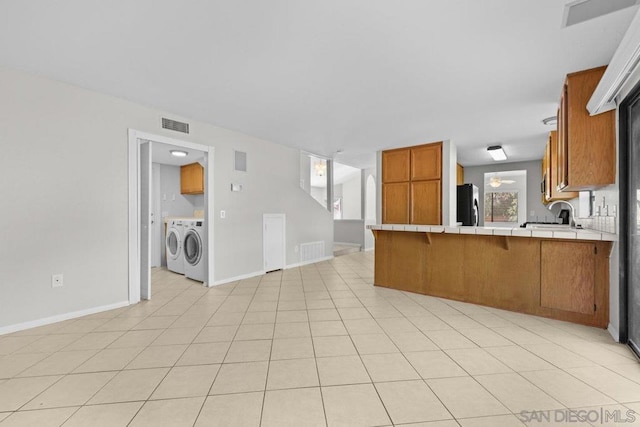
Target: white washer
194,250
174,243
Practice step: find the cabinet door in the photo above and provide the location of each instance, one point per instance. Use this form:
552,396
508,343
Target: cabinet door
553,192
395,203
426,162
562,166
426,202
192,179
546,174
395,165
568,286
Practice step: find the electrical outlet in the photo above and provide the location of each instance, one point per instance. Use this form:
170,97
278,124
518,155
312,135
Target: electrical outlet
56,281
223,214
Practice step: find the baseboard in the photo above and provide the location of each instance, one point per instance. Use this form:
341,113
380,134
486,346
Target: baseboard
236,278
60,317
313,261
370,249
355,245
614,332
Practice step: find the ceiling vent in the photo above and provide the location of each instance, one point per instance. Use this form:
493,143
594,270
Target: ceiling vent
175,125
583,10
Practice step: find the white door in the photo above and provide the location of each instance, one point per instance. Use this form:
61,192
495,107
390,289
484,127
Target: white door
273,237
145,220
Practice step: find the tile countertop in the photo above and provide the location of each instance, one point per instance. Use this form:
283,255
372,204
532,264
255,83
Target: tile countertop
580,234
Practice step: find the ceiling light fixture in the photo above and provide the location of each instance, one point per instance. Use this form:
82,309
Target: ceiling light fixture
550,121
178,153
497,153
320,167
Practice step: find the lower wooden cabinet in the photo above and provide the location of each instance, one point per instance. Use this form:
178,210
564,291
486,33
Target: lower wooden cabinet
425,202
395,203
192,179
568,286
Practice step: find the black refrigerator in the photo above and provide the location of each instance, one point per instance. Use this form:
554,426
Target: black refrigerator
468,210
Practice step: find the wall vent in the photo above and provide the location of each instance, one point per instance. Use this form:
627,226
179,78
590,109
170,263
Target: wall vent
311,251
583,10
175,125
240,161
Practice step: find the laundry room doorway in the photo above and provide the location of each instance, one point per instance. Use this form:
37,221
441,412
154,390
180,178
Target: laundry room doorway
147,214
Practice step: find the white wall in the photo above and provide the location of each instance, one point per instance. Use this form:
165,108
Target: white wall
65,164
369,183
352,198
449,183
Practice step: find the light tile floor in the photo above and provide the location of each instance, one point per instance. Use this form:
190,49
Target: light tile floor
317,345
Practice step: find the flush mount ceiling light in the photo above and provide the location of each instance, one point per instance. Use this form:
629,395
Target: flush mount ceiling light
497,153
178,153
550,121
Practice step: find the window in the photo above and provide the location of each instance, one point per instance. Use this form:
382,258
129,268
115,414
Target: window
501,207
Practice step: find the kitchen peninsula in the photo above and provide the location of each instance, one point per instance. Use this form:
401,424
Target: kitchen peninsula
557,274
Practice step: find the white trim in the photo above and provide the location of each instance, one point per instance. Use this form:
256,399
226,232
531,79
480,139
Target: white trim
134,209
369,249
614,332
623,63
313,261
354,245
241,277
284,237
61,317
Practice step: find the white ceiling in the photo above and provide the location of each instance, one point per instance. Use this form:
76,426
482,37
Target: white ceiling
356,75
161,153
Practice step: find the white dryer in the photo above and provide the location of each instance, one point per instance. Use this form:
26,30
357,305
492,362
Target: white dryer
194,249
174,244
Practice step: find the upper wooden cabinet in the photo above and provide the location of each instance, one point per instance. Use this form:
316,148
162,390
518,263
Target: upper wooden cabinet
412,185
459,174
395,165
192,179
550,175
426,162
586,144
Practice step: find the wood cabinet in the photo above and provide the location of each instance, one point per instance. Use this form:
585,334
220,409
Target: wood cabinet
395,203
459,174
412,185
568,286
586,152
551,191
192,179
556,278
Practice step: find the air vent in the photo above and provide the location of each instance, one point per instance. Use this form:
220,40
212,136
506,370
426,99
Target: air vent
240,163
584,10
175,125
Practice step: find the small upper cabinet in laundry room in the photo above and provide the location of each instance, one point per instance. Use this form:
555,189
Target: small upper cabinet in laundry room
192,179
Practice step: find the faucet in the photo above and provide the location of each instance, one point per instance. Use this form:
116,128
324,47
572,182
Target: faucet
573,215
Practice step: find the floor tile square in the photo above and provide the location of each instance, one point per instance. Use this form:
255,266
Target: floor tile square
292,330
465,398
340,345
567,389
42,418
327,328
204,354
518,394
15,393
476,361
242,409
411,402
293,373
157,356
113,415
342,370
240,378
129,386
292,348
293,408
248,351
389,367
374,344
262,331
172,412
344,404
186,381
71,390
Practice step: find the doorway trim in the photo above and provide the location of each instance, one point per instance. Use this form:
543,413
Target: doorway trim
135,138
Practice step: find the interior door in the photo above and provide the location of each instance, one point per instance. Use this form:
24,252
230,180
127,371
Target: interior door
145,219
273,229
